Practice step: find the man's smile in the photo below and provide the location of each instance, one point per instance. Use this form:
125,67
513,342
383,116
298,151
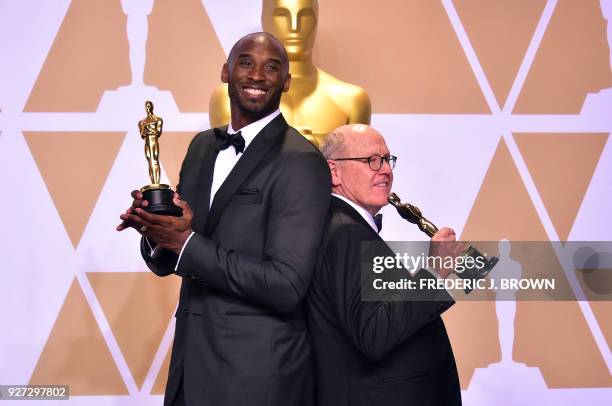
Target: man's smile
254,91
383,184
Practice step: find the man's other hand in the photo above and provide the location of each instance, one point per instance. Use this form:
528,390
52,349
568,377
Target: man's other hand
138,202
169,232
444,245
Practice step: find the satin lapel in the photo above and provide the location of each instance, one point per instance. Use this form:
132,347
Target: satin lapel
255,152
204,183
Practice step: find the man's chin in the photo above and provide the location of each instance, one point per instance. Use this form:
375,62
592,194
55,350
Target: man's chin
251,108
258,112
256,109
381,201
261,108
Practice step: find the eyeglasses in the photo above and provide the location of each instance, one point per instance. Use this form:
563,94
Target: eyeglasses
376,162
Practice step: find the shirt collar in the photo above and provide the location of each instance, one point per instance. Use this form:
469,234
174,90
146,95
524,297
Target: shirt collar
250,131
363,212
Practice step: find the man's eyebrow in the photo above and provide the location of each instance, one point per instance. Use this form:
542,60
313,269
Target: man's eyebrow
249,55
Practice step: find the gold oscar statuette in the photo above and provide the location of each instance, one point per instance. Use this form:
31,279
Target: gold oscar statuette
413,214
157,194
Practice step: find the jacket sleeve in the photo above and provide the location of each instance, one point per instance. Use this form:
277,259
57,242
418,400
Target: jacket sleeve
164,262
376,327
297,209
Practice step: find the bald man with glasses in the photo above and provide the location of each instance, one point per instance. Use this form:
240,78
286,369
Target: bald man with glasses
373,352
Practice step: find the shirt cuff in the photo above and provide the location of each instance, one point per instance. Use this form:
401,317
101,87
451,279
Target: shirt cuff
183,249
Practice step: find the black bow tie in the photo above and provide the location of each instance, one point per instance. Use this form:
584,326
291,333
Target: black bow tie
378,221
237,140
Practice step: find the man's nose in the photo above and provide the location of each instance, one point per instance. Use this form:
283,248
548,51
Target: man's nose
386,167
257,72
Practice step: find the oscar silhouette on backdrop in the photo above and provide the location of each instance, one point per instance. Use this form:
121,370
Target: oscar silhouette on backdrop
505,304
600,104
521,384
128,98
317,102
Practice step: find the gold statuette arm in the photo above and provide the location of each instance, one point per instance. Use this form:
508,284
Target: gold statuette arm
159,125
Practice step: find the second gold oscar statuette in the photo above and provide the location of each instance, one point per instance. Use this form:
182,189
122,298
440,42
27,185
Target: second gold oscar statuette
413,214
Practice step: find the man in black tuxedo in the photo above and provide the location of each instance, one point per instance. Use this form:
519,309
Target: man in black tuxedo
373,352
246,253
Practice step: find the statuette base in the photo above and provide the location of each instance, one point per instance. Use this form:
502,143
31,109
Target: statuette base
160,200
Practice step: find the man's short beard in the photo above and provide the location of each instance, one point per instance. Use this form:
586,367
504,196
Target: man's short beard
254,111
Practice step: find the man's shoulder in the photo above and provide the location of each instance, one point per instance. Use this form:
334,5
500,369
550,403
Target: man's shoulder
296,153
202,138
206,134
296,143
199,145
342,225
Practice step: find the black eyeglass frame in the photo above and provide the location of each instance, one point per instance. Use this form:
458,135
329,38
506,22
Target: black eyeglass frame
390,159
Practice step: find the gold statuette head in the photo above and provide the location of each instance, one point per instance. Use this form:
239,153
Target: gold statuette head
294,22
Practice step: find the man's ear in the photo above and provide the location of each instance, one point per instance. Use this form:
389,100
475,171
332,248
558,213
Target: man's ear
224,73
336,172
287,83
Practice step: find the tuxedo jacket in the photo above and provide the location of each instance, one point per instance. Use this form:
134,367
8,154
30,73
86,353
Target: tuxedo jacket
241,334
373,352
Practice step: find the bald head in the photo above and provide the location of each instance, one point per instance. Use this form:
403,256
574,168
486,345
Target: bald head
346,139
259,38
